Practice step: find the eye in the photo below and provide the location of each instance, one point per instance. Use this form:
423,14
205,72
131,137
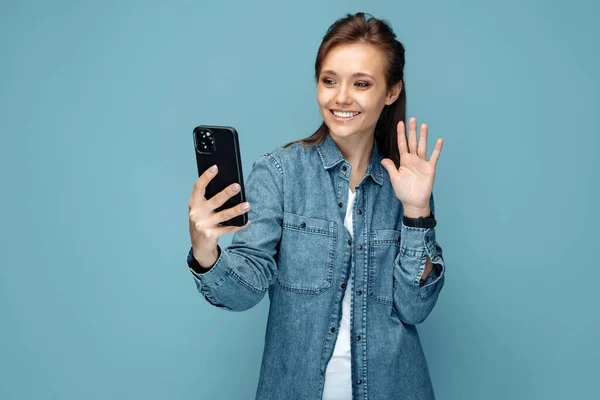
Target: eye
328,81
363,84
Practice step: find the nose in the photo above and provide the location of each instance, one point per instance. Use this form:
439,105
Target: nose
343,95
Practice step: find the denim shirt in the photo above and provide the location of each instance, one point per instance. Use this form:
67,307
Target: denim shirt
299,251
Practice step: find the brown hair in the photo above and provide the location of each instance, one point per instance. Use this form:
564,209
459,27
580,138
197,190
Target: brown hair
358,28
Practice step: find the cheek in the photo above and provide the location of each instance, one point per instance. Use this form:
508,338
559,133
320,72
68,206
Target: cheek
323,98
372,104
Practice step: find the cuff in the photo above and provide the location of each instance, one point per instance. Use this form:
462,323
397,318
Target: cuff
417,241
215,274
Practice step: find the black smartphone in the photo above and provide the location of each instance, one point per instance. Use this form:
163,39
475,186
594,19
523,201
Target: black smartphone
219,145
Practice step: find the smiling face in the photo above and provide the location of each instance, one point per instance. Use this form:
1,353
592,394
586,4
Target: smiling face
352,89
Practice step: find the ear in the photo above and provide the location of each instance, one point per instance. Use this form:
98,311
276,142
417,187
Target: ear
393,93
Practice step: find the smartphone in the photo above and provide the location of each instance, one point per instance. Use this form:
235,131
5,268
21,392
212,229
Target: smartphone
219,145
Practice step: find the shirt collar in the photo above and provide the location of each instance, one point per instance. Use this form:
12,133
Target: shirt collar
331,156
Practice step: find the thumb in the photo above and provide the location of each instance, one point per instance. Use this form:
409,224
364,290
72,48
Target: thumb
389,166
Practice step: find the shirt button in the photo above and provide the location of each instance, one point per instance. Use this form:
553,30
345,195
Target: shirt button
302,225
332,330
359,292
357,337
426,239
359,212
343,285
359,247
349,242
344,168
340,205
358,382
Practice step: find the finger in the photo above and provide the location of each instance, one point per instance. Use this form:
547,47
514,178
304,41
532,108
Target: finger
435,155
422,151
412,135
389,166
402,145
226,215
200,185
220,198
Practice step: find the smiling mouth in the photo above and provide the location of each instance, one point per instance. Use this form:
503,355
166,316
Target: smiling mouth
344,115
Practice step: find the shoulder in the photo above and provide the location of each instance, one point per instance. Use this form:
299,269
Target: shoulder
291,157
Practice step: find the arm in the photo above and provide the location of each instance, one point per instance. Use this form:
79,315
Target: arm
415,292
243,271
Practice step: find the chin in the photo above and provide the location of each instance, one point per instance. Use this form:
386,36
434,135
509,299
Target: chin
343,132
340,129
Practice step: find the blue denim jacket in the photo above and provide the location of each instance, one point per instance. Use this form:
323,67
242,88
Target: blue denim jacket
298,249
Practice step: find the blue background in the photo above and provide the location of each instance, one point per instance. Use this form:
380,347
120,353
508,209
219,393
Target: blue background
97,105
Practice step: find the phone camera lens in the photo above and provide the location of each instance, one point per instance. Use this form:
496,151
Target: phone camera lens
205,141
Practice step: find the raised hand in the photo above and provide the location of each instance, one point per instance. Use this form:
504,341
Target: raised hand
413,181
205,228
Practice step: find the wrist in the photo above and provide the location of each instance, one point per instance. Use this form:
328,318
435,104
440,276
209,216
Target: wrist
206,262
417,212
420,218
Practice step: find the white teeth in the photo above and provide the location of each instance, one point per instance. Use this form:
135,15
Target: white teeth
343,114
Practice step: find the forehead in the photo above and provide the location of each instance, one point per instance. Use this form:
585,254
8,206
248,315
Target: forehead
347,59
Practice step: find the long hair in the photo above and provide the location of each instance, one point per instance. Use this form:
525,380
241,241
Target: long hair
358,28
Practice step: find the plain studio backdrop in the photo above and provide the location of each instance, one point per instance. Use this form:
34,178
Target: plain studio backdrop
97,105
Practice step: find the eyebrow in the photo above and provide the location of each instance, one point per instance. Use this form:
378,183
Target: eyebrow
354,75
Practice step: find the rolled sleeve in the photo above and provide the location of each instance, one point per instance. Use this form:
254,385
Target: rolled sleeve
215,274
417,244
414,299
244,270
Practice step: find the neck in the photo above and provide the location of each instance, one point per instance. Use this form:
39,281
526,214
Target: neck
356,150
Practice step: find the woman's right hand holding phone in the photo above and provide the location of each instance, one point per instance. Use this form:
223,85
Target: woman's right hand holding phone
204,221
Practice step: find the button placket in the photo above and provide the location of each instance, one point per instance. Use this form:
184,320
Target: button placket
359,247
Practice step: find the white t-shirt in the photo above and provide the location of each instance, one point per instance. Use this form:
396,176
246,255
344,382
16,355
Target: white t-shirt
338,375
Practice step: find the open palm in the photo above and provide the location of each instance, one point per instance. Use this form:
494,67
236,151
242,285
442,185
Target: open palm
413,181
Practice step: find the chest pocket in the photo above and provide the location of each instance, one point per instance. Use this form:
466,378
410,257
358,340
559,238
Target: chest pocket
385,246
306,254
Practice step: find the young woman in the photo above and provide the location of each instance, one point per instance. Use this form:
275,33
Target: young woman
341,235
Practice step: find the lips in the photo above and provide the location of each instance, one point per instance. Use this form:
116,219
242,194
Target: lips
340,115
